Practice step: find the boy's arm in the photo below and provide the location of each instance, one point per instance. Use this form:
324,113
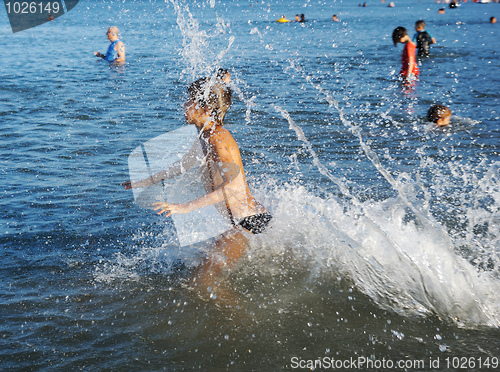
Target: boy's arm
411,63
176,169
228,171
433,41
214,197
225,151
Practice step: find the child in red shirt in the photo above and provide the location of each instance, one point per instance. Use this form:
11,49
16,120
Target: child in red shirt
409,67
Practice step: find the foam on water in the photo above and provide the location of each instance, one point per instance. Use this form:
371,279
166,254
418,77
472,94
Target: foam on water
395,251
404,262
409,266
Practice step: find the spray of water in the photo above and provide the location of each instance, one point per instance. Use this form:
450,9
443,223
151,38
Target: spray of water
395,251
198,57
404,263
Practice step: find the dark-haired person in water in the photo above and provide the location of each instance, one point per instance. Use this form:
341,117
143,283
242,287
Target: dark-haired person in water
423,39
409,67
206,108
439,114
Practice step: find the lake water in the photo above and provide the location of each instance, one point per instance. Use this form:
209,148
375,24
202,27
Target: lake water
385,242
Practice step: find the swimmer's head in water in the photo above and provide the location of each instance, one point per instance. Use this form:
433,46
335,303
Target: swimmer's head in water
398,34
419,25
439,114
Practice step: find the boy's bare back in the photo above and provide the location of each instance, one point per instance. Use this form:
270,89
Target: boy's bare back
224,155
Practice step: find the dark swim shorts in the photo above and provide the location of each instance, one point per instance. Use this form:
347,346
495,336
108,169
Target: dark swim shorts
256,223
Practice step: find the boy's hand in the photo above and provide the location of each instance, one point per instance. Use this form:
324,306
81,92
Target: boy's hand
171,208
127,185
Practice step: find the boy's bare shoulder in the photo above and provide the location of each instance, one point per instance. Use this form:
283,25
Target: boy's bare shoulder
224,145
221,134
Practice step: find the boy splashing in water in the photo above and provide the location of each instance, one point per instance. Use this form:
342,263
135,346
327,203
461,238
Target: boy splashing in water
224,179
206,107
225,183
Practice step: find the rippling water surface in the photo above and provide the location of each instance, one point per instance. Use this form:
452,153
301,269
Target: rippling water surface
385,238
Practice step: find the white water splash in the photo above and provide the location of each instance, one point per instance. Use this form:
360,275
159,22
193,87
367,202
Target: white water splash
394,251
198,52
404,266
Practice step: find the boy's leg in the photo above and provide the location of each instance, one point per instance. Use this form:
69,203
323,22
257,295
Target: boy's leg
227,251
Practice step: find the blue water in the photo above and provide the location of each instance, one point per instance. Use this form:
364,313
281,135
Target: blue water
385,241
